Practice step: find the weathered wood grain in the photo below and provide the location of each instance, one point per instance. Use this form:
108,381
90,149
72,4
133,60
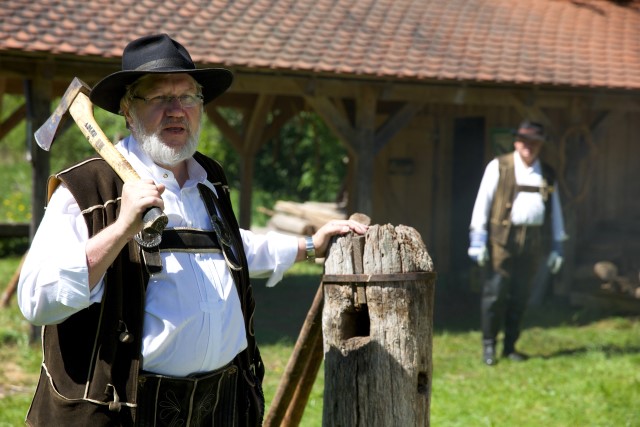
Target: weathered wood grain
378,355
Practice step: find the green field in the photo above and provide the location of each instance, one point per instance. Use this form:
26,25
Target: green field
584,370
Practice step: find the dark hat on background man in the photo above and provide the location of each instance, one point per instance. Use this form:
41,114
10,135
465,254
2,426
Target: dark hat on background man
531,131
156,54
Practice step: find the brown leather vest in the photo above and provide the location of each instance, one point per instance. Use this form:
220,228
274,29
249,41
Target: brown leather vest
89,374
500,216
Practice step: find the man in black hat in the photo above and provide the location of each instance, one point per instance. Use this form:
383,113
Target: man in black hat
518,210
139,333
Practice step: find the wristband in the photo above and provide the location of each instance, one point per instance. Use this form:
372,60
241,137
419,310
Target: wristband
311,249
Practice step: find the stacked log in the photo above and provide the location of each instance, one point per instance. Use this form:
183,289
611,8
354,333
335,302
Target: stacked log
613,282
302,218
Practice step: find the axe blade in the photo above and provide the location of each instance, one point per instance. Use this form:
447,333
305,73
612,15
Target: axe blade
46,134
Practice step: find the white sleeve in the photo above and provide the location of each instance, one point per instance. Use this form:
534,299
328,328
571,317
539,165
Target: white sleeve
54,280
484,199
269,255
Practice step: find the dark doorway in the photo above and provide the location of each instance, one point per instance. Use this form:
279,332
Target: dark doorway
468,168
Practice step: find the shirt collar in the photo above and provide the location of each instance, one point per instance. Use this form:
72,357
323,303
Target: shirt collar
520,164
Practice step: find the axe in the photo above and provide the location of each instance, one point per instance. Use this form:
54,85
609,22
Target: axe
76,102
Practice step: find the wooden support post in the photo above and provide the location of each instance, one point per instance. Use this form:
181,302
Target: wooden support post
302,369
12,285
38,94
293,391
377,346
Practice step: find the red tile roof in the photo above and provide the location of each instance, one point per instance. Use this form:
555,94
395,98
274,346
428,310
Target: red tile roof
585,43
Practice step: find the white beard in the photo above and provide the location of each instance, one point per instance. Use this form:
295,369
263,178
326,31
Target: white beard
160,153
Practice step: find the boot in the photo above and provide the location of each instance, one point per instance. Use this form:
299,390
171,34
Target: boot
516,356
509,352
489,353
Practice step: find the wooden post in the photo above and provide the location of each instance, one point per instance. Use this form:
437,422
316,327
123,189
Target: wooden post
377,329
293,392
38,100
12,285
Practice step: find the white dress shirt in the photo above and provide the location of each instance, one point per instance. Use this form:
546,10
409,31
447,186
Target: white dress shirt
528,207
193,319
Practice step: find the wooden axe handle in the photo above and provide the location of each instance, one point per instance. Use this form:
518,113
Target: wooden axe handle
81,109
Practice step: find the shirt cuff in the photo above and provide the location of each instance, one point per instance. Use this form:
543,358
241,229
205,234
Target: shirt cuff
287,253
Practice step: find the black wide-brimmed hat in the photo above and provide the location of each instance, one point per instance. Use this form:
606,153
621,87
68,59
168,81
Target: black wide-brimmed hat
529,130
156,54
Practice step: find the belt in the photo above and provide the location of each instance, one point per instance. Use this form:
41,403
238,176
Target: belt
204,399
189,240
180,240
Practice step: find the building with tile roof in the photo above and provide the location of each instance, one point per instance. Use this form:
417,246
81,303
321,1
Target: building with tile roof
423,93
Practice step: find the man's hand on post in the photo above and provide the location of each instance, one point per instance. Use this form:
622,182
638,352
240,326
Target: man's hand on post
322,237
478,247
332,228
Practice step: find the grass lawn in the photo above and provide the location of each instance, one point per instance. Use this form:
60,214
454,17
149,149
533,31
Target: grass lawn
584,370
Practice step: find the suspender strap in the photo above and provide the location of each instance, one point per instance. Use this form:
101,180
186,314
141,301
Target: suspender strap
192,240
221,228
544,190
152,259
528,188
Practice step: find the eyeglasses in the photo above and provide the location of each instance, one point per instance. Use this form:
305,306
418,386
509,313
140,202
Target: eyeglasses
186,101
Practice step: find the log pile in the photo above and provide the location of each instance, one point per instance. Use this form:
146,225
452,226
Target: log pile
613,282
302,218
605,275
607,264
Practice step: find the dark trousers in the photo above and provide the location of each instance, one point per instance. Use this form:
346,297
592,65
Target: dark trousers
506,292
200,400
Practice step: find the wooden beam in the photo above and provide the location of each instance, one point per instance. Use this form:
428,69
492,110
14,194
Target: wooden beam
247,166
366,105
287,111
224,127
435,92
301,371
257,123
14,230
336,121
247,143
12,285
37,93
251,143
13,120
3,89
529,108
251,81
395,123
600,120
38,101
62,70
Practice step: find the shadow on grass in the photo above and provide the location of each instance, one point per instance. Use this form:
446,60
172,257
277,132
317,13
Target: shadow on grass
281,310
460,312
608,350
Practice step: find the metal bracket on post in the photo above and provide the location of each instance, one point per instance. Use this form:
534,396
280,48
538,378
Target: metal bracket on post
375,278
360,294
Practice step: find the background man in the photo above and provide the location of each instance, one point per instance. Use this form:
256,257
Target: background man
518,208
142,334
